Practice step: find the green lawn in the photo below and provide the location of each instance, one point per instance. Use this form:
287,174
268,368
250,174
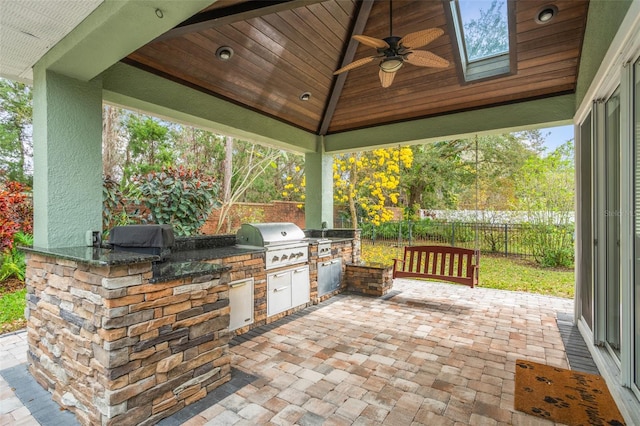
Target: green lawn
12,304
499,272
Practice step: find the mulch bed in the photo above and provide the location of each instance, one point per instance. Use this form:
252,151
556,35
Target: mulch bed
10,285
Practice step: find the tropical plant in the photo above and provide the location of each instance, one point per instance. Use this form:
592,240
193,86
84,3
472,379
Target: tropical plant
177,196
117,207
16,213
13,262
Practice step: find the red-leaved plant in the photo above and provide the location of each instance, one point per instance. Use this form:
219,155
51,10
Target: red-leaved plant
16,213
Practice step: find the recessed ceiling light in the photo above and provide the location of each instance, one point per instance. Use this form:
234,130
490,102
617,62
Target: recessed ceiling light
224,53
546,14
305,96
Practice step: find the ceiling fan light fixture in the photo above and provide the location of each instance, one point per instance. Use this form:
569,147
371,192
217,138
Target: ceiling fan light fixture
391,65
224,53
546,14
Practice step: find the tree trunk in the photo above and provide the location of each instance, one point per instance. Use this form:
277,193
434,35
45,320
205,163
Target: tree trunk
226,185
110,125
352,199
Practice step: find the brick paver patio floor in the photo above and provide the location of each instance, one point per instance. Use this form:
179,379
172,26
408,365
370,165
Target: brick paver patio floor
433,354
427,354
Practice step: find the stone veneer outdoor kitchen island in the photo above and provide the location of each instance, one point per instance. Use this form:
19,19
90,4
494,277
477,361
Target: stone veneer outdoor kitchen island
125,338
120,341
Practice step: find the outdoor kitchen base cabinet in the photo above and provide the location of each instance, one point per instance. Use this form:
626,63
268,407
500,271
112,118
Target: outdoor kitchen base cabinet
240,303
329,276
287,289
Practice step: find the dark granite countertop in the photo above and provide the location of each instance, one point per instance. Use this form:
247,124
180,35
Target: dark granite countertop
179,264
93,255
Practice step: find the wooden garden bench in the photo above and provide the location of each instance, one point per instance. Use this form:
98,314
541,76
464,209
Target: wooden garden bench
457,265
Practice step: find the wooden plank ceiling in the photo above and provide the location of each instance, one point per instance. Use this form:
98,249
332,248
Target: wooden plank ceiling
283,49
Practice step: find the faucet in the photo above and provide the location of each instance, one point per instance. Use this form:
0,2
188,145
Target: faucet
324,229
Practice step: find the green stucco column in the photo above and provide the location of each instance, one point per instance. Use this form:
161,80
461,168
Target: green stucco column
67,156
319,190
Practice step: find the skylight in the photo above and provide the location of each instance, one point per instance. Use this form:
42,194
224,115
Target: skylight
482,34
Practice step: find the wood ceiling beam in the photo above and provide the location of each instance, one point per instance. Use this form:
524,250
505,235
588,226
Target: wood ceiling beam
236,13
349,54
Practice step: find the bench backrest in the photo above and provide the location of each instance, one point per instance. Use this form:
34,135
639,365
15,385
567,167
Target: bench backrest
452,264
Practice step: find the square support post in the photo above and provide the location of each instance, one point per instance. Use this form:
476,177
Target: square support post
67,145
319,190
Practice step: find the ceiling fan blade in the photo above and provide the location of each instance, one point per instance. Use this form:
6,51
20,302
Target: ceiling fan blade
420,38
371,42
422,58
386,78
355,64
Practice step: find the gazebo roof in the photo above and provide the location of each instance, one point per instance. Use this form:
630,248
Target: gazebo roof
284,49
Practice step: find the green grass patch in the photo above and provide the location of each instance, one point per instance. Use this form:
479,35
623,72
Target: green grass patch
499,272
12,306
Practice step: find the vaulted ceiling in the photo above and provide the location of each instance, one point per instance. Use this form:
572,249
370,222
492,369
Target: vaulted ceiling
282,49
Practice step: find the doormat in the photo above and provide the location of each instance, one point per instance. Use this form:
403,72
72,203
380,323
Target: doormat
565,396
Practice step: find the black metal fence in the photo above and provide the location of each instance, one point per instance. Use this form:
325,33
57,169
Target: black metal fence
501,238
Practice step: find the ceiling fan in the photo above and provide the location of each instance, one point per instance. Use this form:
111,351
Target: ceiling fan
395,51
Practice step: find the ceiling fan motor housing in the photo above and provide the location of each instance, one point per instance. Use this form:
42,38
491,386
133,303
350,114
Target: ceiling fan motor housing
393,58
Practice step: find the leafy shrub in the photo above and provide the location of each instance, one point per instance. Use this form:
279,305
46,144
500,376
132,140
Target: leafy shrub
116,207
16,226
12,261
564,257
443,232
177,196
552,244
16,213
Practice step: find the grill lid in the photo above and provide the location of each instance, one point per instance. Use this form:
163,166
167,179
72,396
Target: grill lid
265,234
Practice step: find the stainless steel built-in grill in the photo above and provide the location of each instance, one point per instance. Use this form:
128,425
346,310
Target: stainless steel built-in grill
285,242
285,245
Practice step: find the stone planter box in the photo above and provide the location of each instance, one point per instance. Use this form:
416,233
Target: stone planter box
372,279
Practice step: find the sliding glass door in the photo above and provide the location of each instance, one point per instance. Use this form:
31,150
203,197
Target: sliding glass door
585,224
636,292
612,223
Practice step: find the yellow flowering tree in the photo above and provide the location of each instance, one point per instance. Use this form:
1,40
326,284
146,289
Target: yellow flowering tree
369,182
294,186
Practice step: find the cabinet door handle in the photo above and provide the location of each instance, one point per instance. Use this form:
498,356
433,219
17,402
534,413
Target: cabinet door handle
326,263
236,285
297,271
280,275
275,290
247,319
334,261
